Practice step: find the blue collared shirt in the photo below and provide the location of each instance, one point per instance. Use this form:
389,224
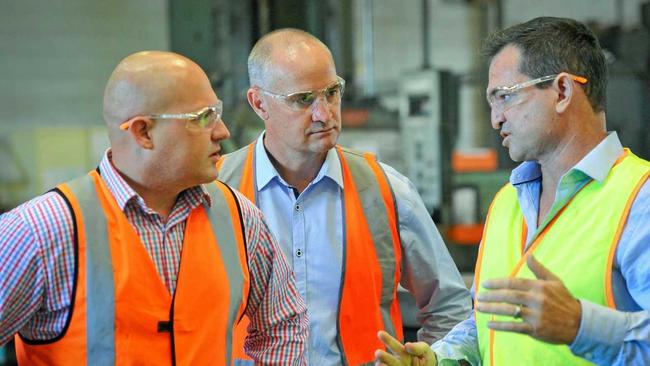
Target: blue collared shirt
606,336
309,228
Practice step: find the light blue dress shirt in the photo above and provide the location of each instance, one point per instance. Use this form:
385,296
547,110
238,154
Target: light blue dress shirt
309,229
606,336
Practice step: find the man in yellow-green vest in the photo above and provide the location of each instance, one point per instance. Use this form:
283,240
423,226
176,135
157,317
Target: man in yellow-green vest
562,275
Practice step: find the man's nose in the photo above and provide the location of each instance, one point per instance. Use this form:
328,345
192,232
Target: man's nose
497,117
320,109
220,131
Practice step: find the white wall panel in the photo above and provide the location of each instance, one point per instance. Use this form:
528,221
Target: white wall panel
55,56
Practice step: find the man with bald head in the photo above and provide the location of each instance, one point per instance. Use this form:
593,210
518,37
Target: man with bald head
351,227
147,260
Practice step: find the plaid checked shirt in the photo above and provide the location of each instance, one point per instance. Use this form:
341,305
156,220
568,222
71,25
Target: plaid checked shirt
37,267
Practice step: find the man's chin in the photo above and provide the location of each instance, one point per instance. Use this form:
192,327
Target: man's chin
327,146
209,176
515,156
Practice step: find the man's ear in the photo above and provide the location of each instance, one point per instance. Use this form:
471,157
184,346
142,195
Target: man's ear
140,130
257,103
566,89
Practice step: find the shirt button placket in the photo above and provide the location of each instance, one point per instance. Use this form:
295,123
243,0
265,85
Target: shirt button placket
300,218
299,260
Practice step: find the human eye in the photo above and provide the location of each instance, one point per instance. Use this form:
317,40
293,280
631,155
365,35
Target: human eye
333,90
202,119
208,118
503,97
302,99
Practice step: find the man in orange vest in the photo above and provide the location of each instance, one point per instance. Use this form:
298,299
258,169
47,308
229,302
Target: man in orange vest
562,276
147,260
353,228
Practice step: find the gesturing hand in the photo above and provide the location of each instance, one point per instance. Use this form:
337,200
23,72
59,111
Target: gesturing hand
549,312
409,354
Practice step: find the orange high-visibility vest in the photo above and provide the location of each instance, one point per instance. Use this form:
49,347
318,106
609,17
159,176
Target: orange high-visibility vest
371,250
122,313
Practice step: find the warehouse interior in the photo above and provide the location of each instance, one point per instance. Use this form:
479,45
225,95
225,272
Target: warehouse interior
414,95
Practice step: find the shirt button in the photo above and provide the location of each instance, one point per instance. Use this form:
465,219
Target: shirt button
297,207
299,253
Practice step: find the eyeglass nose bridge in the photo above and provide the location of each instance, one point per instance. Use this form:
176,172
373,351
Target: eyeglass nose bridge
335,99
497,106
500,107
321,95
320,104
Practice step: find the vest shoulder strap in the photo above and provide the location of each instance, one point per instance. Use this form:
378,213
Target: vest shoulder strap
227,222
230,166
100,303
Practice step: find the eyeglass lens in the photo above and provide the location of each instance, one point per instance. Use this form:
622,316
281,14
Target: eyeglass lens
206,119
331,94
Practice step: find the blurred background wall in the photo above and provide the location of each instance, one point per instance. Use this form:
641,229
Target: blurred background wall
414,95
415,82
55,58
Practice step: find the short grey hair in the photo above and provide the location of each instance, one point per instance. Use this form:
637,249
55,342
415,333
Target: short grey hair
259,59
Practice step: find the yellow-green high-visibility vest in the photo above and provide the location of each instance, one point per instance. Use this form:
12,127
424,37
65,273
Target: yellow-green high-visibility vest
578,245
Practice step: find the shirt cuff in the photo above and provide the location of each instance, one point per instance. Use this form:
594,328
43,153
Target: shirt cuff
447,355
601,333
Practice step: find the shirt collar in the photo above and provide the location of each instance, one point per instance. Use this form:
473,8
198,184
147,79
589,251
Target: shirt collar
124,194
596,164
265,172
599,161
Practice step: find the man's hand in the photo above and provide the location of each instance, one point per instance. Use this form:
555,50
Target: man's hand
409,354
549,312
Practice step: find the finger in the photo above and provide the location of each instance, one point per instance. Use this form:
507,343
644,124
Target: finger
507,296
540,271
515,327
385,358
390,342
418,349
522,284
500,309
422,354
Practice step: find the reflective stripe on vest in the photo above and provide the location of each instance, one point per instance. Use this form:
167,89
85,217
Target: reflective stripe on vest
123,313
233,174
371,249
578,245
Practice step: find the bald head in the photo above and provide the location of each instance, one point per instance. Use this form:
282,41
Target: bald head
285,49
150,82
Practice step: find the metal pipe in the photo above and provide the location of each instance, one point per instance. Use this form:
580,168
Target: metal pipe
367,35
264,21
426,36
619,13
